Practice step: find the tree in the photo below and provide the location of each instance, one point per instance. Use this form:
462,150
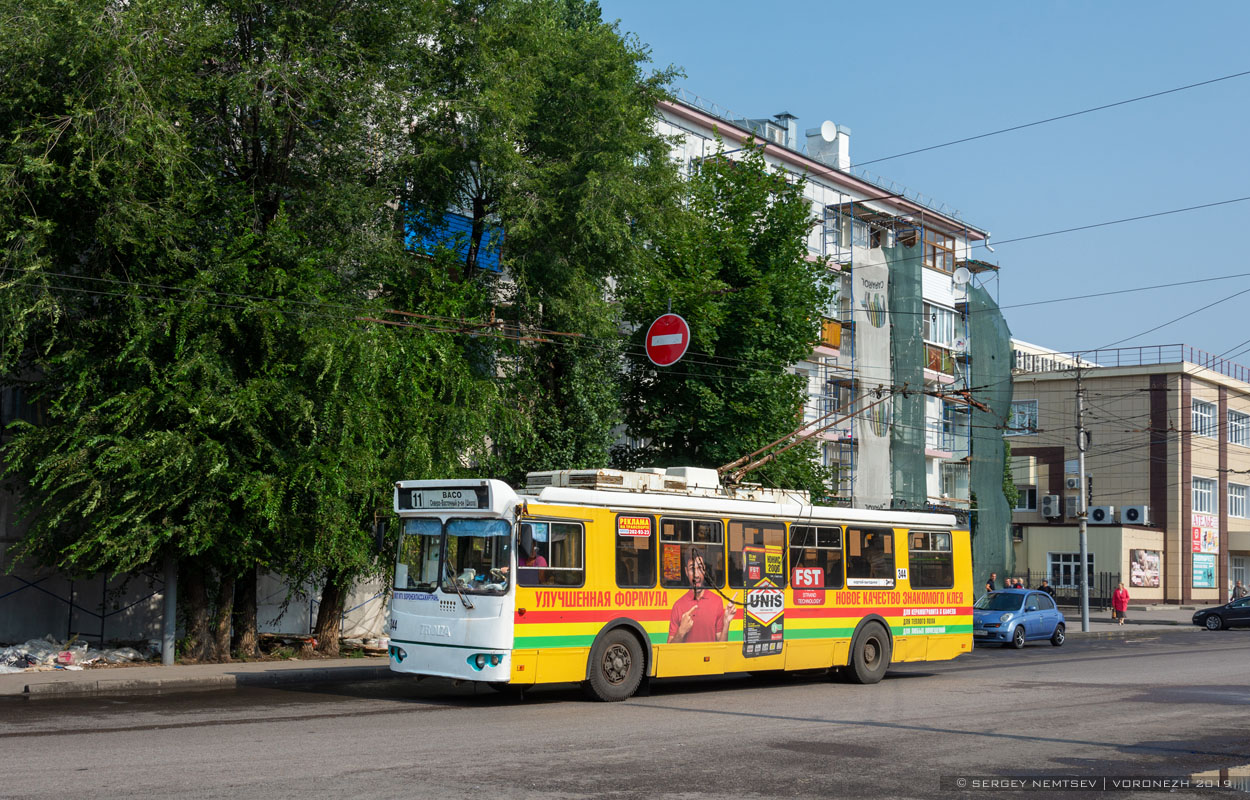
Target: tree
197,205
736,269
541,127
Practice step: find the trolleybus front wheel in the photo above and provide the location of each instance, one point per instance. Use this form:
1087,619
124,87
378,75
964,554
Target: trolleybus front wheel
615,667
870,655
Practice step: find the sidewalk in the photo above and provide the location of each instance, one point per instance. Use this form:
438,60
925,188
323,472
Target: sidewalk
154,678
1139,618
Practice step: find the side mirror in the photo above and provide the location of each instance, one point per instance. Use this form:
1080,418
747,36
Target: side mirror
525,538
1031,608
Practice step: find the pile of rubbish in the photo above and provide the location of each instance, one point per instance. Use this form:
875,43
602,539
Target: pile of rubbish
51,653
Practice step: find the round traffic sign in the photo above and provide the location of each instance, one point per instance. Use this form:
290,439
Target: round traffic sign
667,340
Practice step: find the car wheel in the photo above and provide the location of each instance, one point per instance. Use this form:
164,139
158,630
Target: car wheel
870,655
615,668
1214,622
1017,637
1058,637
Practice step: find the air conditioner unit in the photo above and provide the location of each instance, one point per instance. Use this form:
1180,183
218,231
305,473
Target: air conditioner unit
1102,515
1050,506
1072,482
1136,515
1073,504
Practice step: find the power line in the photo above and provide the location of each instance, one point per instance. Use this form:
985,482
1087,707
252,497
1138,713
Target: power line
1117,221
1178,319
1056,119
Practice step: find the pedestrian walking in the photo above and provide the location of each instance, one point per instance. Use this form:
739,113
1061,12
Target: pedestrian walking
1046,587
1239,591
989,585
1119,603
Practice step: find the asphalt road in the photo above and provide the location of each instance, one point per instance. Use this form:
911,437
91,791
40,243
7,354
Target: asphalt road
1156,705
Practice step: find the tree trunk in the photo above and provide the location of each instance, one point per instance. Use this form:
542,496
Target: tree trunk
246,641
330,615
194,601
223,611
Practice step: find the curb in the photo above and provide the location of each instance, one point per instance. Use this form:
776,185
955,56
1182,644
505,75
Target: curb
287,677
1127,632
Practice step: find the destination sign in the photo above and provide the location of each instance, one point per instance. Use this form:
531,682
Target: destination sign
441,498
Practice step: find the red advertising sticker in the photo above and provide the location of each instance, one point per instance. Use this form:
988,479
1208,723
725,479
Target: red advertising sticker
809,597
633,526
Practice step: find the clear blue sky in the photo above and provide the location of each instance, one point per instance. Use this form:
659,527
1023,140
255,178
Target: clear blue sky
906,75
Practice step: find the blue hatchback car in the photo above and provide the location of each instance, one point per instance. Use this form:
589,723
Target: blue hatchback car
1014,616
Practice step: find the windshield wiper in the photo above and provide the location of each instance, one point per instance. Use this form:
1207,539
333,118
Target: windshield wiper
456,585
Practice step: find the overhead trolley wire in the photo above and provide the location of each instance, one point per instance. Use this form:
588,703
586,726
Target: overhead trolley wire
1056,119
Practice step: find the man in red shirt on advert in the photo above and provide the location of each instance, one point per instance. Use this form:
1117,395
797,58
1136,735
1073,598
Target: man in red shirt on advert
699,615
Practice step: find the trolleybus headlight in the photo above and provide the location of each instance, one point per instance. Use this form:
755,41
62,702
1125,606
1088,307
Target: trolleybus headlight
398,654
495,659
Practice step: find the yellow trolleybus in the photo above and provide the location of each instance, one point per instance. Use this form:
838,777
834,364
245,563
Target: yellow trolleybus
608,578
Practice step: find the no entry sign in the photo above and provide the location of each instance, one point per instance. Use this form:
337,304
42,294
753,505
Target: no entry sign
667,340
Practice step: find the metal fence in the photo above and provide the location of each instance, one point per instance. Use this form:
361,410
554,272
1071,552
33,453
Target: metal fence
1101,585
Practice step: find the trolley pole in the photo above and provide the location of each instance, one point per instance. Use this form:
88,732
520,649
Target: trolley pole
1082,442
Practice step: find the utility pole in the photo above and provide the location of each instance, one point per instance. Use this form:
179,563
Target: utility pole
1082,442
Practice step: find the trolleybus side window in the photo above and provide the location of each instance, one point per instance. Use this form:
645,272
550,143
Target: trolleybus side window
869,558
816,548
635,551
680,536
556,555
931,562
752,532
419,549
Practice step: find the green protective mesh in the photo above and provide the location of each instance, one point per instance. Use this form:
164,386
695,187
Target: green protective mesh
989,342
907,353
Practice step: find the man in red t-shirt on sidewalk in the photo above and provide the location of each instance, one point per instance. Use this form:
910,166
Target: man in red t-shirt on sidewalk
698,615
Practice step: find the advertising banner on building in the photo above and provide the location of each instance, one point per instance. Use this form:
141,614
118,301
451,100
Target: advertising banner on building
1204,571
870,293
1144,568
1206,533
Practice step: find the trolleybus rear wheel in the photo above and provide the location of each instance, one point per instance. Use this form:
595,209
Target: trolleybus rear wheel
870,655
615,666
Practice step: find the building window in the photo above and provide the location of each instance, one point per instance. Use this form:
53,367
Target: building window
1204,496
955,480
1202,420
1239,428
1026,498
1065,568
1023,419
1237,500
939,251
939,325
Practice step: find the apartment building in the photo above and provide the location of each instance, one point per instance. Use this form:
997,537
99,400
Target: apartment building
913,336
1167,466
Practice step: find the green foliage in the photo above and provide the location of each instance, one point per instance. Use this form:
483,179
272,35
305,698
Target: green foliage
736,269
197,210
540,123
1010,492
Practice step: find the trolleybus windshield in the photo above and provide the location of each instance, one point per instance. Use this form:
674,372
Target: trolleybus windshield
463,555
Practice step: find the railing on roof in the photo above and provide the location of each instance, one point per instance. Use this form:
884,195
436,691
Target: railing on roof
884,184
1164,354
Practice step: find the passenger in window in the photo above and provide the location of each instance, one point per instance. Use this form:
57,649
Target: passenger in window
699,615
532,559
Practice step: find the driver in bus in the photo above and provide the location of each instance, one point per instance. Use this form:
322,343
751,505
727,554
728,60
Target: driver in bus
699,615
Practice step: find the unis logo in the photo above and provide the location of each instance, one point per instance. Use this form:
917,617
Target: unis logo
766,604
